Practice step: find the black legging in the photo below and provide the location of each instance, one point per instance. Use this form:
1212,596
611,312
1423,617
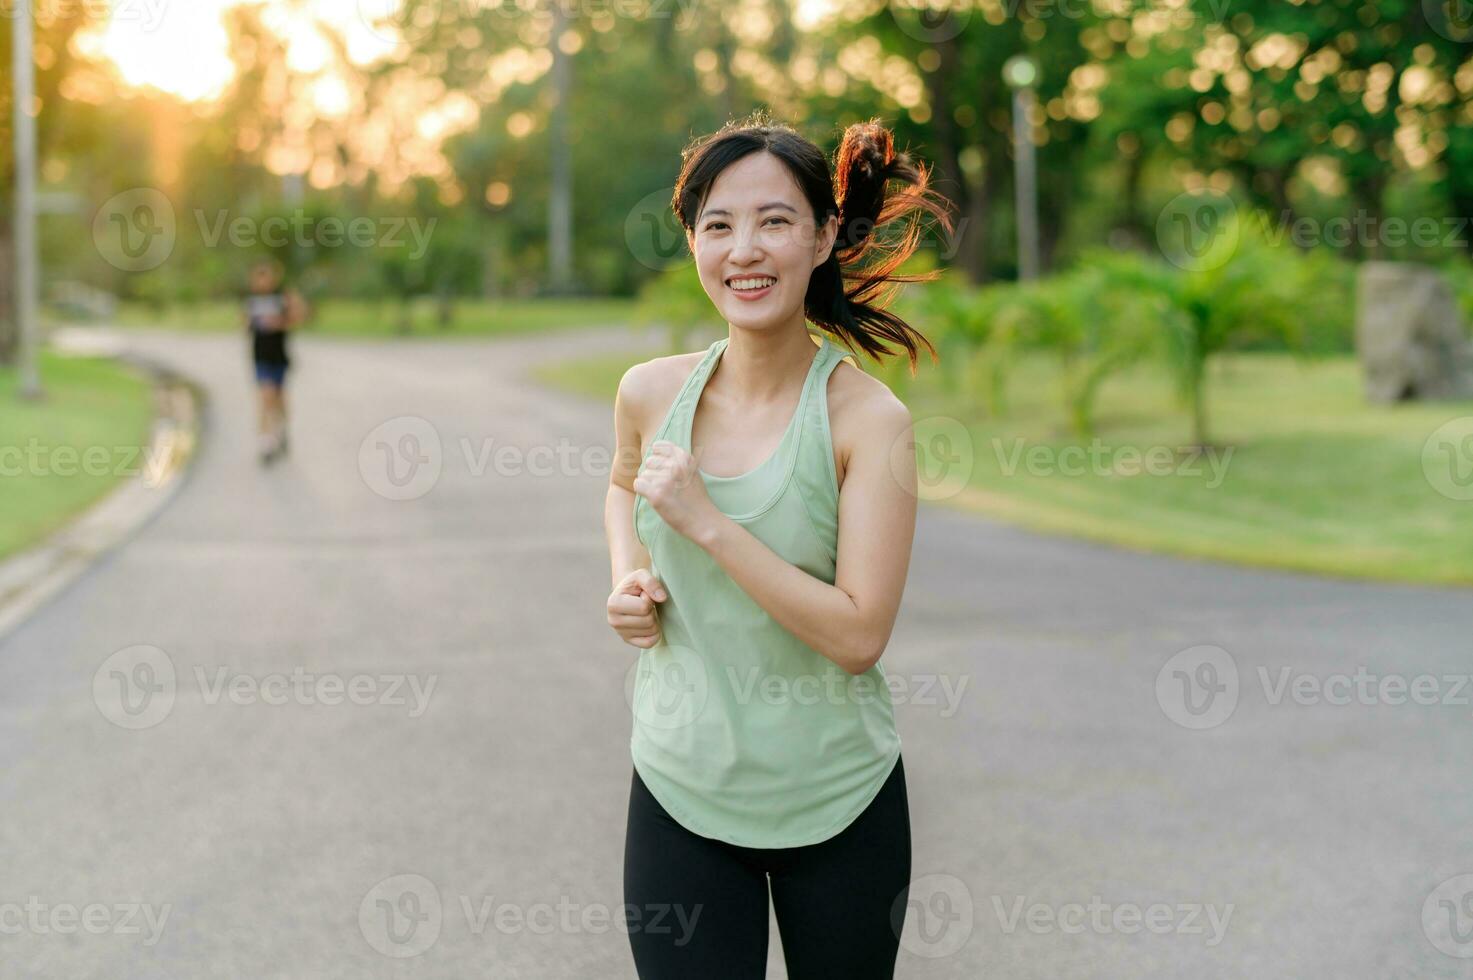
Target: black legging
700,905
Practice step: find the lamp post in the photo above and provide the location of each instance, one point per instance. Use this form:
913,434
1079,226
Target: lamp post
1021,74
26,258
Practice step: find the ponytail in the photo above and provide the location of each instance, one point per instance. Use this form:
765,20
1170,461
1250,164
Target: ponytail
848,294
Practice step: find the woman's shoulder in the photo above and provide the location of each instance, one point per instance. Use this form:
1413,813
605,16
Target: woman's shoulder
648,388
863,411
857,397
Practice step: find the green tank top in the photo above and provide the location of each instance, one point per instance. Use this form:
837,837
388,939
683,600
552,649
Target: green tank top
742,731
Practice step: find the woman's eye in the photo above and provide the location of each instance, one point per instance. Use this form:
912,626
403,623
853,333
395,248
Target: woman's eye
716,225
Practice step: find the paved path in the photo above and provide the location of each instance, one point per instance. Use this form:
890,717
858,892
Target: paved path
274,835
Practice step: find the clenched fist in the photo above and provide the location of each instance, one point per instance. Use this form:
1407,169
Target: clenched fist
632,608
669,480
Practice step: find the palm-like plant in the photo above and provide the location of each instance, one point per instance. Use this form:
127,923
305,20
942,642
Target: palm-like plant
973,335
1091,324
1243,290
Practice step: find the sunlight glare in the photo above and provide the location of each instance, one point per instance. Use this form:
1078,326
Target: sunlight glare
183,48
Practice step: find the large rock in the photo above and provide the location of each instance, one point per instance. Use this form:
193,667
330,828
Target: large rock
1410,335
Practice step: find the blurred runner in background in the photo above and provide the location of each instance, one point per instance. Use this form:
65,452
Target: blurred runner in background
271,311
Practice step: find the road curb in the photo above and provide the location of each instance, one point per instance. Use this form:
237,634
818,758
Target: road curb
29,579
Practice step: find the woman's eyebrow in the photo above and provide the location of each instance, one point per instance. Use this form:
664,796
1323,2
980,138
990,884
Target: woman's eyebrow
760,207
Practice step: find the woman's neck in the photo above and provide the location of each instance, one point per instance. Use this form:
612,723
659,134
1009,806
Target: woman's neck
760,366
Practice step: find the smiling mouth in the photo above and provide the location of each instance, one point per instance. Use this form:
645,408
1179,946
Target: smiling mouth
750,284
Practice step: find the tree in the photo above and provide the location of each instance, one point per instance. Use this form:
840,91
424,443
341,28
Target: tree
55,25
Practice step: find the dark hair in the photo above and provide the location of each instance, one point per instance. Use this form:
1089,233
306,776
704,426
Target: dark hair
848,293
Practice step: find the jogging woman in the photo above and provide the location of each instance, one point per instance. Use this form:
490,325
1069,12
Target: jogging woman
760,521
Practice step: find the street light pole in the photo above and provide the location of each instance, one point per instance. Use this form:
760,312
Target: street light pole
26,260
1020,72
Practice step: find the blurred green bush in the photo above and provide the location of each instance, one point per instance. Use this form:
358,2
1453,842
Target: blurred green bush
1116,308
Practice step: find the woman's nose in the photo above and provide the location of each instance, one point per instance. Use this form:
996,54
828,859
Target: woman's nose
745,248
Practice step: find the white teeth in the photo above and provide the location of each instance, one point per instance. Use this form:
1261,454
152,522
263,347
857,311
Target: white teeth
757,283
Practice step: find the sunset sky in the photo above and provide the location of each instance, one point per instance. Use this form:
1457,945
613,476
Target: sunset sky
180,47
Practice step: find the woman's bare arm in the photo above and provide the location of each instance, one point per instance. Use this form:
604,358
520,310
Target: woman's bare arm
625,552
850,621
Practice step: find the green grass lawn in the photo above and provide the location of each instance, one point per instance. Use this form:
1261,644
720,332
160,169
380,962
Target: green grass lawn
61,454
354,318
1309,476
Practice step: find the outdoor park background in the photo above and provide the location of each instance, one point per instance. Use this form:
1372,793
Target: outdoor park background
455,168
1153,480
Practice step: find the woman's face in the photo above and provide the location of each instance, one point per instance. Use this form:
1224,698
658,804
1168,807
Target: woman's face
756,243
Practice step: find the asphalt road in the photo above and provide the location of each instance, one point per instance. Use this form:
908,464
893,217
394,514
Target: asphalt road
298,728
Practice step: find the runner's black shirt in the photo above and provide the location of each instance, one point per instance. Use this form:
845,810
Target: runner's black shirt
268,345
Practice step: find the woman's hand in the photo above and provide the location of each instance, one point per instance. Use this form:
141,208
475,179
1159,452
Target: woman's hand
670,482
632,608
